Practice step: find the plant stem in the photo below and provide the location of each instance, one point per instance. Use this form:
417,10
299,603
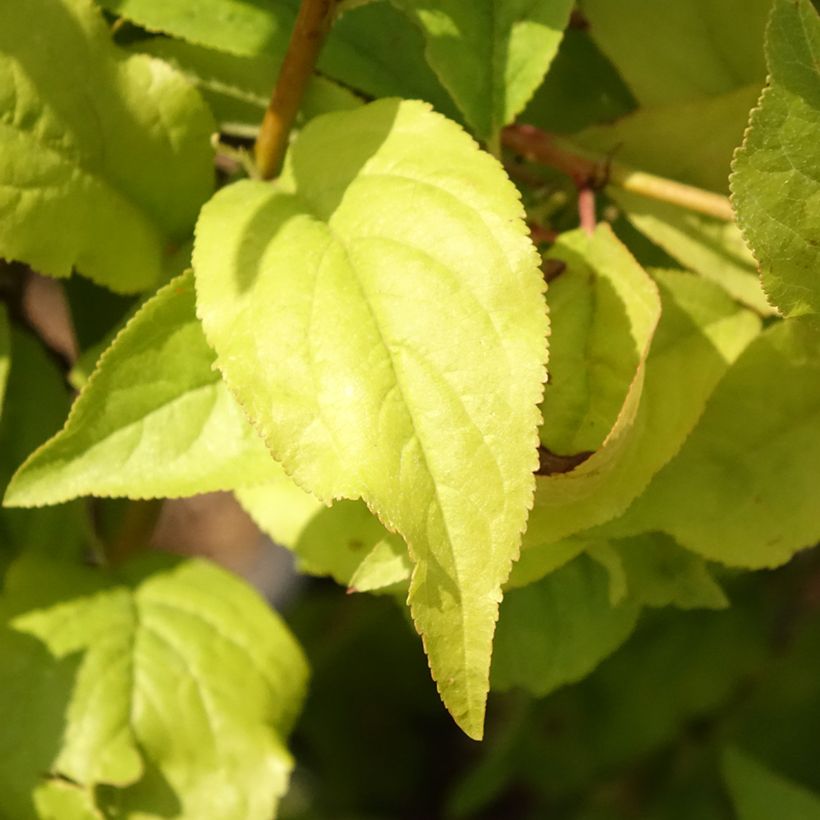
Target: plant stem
594,171
312,25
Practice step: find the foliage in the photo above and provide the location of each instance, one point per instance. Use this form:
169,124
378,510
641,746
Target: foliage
522,339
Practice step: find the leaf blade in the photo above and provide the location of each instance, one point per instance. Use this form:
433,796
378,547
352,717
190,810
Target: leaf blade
775,190
491,56
344,430
153,421
139,670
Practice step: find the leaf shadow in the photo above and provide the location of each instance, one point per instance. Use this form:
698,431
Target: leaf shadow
36,690
317,200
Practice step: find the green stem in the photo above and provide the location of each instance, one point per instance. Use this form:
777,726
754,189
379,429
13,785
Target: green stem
494,144
312,25
596,171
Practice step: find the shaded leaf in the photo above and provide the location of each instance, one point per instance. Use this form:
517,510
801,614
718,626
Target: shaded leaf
490,55
541,559
603,310
238,88
558,630
760,794
581,88
742,490
35,406
674,51
701,331
658,572
5,353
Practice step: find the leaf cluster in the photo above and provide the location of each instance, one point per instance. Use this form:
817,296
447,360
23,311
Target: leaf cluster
522,341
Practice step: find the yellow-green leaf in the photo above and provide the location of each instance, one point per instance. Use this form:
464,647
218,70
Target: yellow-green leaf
378,311
153,421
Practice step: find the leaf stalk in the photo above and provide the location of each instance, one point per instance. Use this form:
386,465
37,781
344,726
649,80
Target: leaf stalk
312,25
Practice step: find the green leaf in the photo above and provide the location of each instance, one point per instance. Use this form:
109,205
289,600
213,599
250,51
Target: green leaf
558,630
710,247
238,88
669,139
373,346
374,50
371,49
649,569
35,406
581,88
248,27
758,793
603,310
701,331
540,560
386,567
344,541
490,55
658,572
676,51
106,157
153,421
742,490
775,187
172,681
59,800
280,508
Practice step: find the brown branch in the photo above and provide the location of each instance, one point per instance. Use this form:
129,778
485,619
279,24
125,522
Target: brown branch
312,25
553,464
595,172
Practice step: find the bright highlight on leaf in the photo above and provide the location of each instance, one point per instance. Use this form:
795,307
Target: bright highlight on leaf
173,672
106,158
153,421
378,312
775,185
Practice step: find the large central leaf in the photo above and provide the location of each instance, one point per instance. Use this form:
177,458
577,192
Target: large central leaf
379,313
